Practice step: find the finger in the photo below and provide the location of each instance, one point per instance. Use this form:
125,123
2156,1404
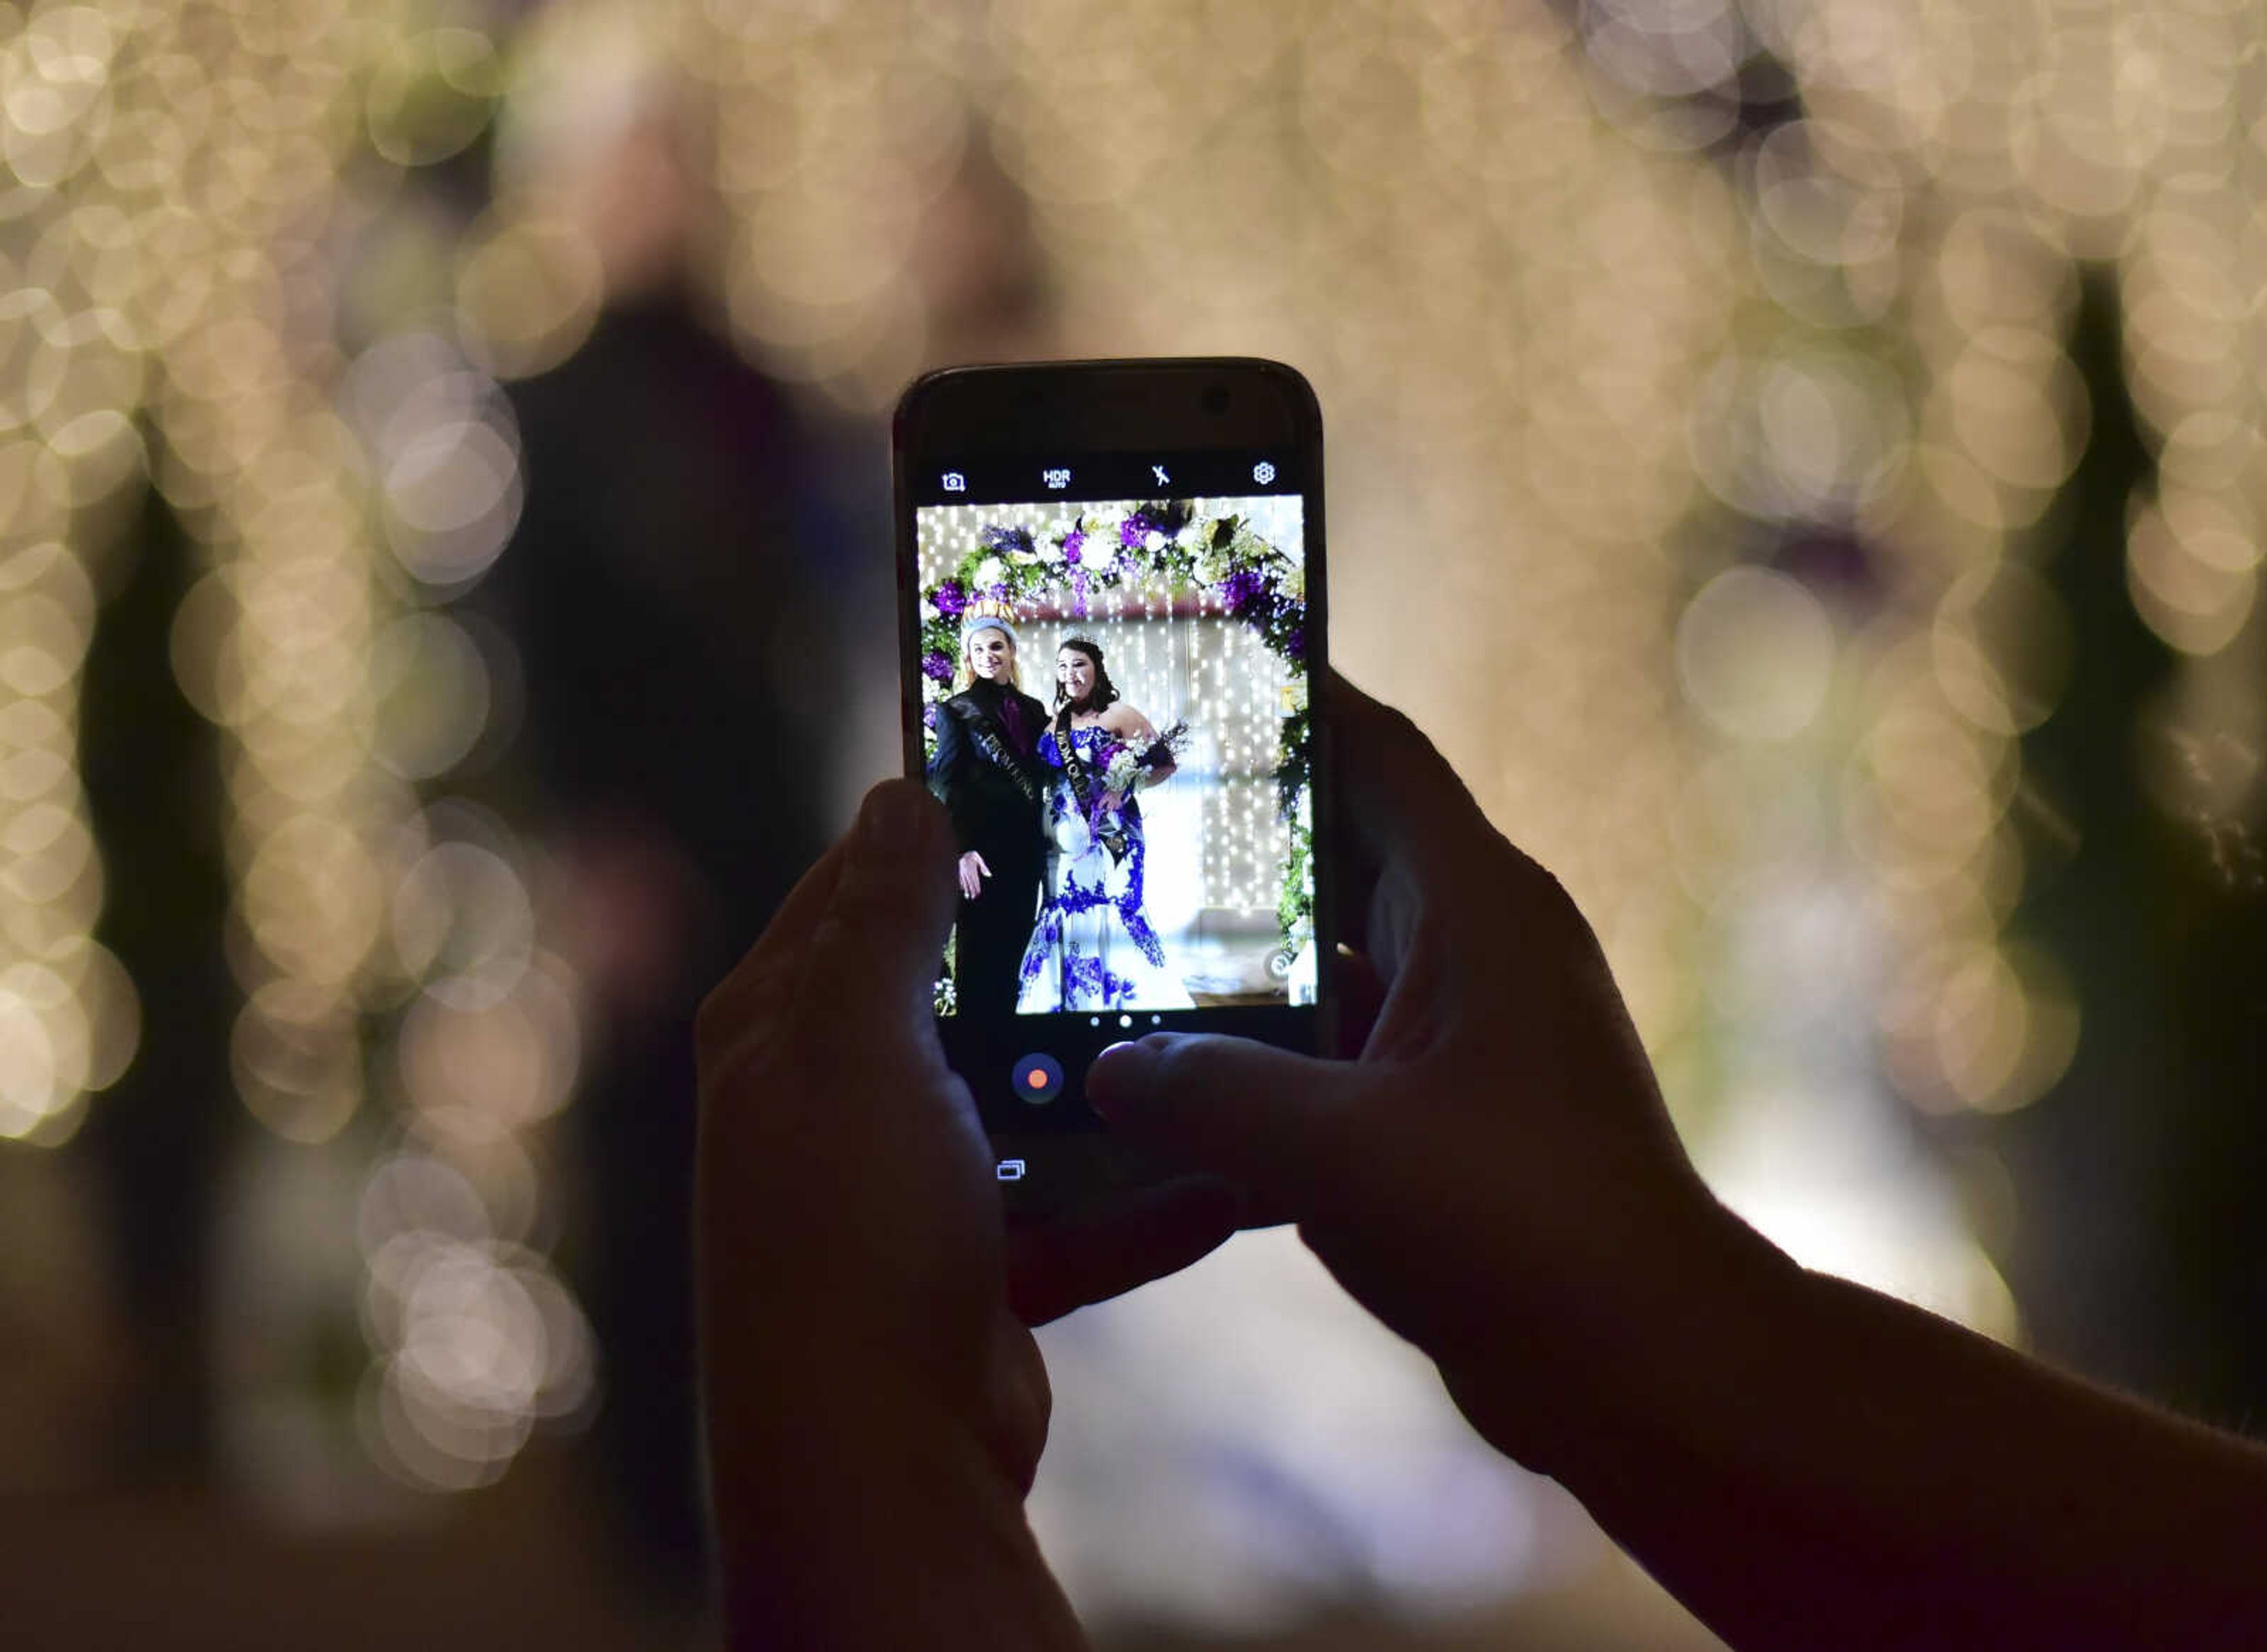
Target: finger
1017,1428
982,865
1362,997
883,933
1414,849
1125,1241
1282,1127
770,965
1397,797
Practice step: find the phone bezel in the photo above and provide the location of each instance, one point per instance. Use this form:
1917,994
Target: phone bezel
1129,407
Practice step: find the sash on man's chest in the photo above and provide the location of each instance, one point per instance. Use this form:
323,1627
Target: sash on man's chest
985,733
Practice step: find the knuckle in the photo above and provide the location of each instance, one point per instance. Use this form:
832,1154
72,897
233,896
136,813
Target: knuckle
739,1081
876,901
752,994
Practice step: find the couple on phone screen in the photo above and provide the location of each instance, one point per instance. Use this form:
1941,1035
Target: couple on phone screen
1051,851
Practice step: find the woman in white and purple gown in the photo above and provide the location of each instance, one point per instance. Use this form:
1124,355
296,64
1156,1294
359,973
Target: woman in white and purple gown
1093,948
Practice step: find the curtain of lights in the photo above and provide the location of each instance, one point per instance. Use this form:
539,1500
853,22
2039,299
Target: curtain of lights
1590,328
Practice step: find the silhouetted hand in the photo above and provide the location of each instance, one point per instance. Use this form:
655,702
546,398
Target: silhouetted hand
1797,1459
1497,1159
876,1405
1803,1462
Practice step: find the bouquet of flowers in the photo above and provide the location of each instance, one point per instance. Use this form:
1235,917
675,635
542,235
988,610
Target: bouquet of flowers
1118,771
1122,772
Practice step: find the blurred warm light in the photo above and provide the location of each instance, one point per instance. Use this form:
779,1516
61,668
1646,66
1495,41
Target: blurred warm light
168,187
481,1342
2193,566
480,1073
1980,1027
2001,648
431,94
527,291
296,1060
463,922
1755,652
433,695
1630,317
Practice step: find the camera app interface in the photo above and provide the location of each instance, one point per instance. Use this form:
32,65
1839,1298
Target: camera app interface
1114,700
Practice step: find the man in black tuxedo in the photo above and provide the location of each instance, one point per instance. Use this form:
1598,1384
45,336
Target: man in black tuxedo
988,772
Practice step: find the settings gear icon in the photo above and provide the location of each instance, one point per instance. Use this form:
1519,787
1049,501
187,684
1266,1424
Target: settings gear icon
1262,473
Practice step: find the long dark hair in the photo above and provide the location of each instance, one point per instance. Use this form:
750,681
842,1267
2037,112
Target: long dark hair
1102,695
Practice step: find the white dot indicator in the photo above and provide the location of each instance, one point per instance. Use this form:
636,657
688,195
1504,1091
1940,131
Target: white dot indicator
1126,1021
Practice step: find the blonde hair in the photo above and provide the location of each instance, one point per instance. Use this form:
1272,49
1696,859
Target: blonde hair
966,680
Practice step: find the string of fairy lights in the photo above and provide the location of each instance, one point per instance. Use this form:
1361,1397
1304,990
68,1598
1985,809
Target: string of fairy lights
69,1015
2009,145
176,175
1588,329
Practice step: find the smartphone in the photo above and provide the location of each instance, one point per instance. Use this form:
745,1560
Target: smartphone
1112,614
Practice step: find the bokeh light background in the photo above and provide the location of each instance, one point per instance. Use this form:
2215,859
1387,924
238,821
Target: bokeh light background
1724,397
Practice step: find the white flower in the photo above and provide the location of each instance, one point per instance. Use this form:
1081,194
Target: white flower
989,572
1295,582
1100,551
928,611
1152,540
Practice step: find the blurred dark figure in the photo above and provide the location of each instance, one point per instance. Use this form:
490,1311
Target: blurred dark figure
700,588
674,589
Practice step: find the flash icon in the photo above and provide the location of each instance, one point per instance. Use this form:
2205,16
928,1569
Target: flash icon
1158,471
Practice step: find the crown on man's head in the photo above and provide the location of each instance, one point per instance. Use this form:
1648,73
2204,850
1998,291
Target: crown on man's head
989,613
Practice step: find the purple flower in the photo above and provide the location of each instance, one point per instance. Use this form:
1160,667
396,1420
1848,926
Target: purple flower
1073,545
937,666
1007,539
1240,589
950,599
1134,530
928,715
999,589
1296,645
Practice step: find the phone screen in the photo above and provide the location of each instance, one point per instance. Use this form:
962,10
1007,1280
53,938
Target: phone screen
1112,655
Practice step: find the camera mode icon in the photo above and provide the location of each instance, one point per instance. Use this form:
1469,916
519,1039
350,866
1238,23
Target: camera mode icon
955,482
1039,1078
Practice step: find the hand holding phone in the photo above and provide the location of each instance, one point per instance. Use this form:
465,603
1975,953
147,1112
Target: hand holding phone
875,1406
1112,610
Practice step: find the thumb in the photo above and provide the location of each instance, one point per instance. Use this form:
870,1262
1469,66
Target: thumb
1283,1127
885,929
